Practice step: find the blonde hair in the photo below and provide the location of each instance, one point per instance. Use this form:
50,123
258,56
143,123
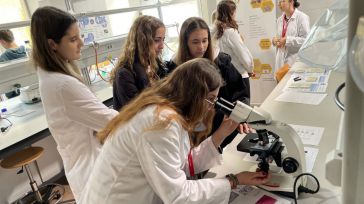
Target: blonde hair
140,46
51,23
183,91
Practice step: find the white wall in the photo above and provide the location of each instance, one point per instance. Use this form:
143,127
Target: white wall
207,7
314,8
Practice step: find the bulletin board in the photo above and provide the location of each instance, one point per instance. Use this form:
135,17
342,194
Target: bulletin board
94,28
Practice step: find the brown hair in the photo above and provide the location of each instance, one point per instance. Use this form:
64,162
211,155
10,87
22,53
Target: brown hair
188,26
139,46
7,36
183,91
51,23
225,12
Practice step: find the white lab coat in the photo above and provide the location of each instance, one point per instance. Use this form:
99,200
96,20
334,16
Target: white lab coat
73,114
232,44
297,31
151,167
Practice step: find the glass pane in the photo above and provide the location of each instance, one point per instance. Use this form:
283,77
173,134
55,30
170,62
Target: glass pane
12,11
172,14
121,23
151,12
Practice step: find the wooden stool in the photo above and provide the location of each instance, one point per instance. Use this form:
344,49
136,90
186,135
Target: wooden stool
45,193
22,159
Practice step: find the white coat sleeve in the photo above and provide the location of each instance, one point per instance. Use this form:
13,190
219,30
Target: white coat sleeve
242,52
160,160
205,156
303,28
82,106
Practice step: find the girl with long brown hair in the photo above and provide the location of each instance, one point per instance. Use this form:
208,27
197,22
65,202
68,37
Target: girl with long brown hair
139,64
72,111
149,155
229,40
195,42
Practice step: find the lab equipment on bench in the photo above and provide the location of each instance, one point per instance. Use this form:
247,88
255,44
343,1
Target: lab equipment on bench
274,141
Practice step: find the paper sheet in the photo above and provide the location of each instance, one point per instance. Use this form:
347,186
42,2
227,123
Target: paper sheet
301,97
310,135
313,82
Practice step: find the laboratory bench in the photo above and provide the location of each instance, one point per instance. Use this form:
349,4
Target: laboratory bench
29,121
326,115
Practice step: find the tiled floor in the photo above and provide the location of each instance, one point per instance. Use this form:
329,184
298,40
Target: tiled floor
68,193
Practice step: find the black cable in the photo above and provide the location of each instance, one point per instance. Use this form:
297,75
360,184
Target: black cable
8,121
337,98
304,189
4,129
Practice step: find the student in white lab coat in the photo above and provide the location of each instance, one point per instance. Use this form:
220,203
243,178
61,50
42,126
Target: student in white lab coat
73,112
229,40
149,153
293,27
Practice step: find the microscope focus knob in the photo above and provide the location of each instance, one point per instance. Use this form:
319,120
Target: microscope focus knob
290,165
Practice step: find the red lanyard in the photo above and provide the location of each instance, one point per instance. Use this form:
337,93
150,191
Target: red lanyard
285,25
190,164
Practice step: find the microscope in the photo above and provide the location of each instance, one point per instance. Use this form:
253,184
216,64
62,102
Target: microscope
273,142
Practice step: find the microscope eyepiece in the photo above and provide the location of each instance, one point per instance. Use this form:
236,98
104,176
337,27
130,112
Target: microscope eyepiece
224,106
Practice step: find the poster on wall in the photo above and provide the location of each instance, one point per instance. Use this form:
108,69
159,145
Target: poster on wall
257,25
94,28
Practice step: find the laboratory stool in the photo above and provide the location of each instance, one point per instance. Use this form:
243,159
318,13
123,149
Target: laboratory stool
51,193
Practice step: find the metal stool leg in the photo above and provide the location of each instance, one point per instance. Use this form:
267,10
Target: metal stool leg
33,184
38,171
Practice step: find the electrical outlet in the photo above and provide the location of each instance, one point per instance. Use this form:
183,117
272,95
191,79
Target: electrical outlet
109,46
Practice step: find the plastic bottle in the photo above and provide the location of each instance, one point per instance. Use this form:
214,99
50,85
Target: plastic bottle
3,112
356,56
27,48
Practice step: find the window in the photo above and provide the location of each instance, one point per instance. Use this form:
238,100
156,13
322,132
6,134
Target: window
14,11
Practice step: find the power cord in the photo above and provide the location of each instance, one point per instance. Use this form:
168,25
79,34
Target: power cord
303,189
5,128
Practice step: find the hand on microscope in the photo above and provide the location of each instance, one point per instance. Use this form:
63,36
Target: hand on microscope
245,129
226,128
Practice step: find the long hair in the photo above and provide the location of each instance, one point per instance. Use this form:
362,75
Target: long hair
189,26
140,46
183,91
225,12
51,23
